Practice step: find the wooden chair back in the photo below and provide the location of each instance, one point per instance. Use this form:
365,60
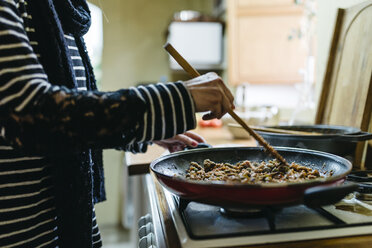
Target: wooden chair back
346,97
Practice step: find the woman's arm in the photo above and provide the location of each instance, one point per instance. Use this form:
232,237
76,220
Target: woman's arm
40,118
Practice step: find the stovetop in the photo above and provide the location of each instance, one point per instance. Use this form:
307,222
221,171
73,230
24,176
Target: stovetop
201,225
203,221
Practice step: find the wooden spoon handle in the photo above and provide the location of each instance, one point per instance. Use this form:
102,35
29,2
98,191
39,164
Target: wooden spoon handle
257,137
181,61
278,130
194,73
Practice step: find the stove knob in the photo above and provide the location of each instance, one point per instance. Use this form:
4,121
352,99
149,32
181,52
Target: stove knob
144,220
145,230
147,241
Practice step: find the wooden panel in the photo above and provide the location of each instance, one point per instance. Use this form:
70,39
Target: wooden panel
352,78
258,45
346,97
266,3
272,11
266,54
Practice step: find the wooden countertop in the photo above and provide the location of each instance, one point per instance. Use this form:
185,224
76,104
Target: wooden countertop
139,163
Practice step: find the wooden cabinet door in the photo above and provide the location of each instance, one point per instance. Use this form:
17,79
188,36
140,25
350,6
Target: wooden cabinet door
259,48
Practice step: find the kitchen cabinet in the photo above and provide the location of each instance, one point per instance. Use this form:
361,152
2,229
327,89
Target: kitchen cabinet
259,48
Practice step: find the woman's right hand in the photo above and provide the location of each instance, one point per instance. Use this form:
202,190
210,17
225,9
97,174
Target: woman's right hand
210,94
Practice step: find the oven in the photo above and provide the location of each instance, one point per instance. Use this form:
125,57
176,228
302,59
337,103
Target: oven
174,222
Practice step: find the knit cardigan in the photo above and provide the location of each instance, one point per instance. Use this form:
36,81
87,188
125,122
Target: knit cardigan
84,178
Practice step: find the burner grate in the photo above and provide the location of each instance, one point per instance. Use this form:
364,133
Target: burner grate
203,221
364,181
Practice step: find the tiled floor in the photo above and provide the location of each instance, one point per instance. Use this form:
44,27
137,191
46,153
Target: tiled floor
117,237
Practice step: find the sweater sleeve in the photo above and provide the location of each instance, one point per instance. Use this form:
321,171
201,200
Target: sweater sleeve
169,111
38,117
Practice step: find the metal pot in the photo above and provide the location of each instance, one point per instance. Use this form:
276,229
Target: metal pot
339,140
171,169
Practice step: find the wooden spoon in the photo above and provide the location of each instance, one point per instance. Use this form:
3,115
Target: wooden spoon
278,130
194,73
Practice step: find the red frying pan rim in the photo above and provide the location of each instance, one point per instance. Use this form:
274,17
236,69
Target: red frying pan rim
306,183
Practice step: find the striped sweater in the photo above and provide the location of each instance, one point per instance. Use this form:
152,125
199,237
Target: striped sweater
39,119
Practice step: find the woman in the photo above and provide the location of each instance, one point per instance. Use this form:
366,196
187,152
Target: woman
54,123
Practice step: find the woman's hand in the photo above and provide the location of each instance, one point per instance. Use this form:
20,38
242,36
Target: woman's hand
180,141
210,94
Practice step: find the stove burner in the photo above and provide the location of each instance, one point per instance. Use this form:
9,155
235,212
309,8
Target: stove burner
364,181
242,212
360,176
267,212
363,196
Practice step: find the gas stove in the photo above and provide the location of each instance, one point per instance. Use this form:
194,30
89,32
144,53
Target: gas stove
200,225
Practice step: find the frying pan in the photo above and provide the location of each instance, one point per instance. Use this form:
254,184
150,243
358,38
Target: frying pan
339,140
330,132
170,171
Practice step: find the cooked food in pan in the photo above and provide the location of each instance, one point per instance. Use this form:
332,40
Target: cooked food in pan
251,172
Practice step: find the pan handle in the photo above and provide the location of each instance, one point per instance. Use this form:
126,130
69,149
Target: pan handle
200,145
359,136
327,195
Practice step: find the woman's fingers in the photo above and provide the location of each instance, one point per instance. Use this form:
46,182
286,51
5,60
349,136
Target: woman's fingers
207,117
215,113
195,136
183,139
180,141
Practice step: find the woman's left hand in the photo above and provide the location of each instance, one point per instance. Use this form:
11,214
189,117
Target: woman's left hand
180,141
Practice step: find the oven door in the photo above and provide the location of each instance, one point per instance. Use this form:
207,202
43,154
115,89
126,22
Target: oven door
150,229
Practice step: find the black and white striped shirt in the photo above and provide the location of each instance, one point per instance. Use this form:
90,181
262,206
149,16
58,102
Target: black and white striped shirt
78,65
27,206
